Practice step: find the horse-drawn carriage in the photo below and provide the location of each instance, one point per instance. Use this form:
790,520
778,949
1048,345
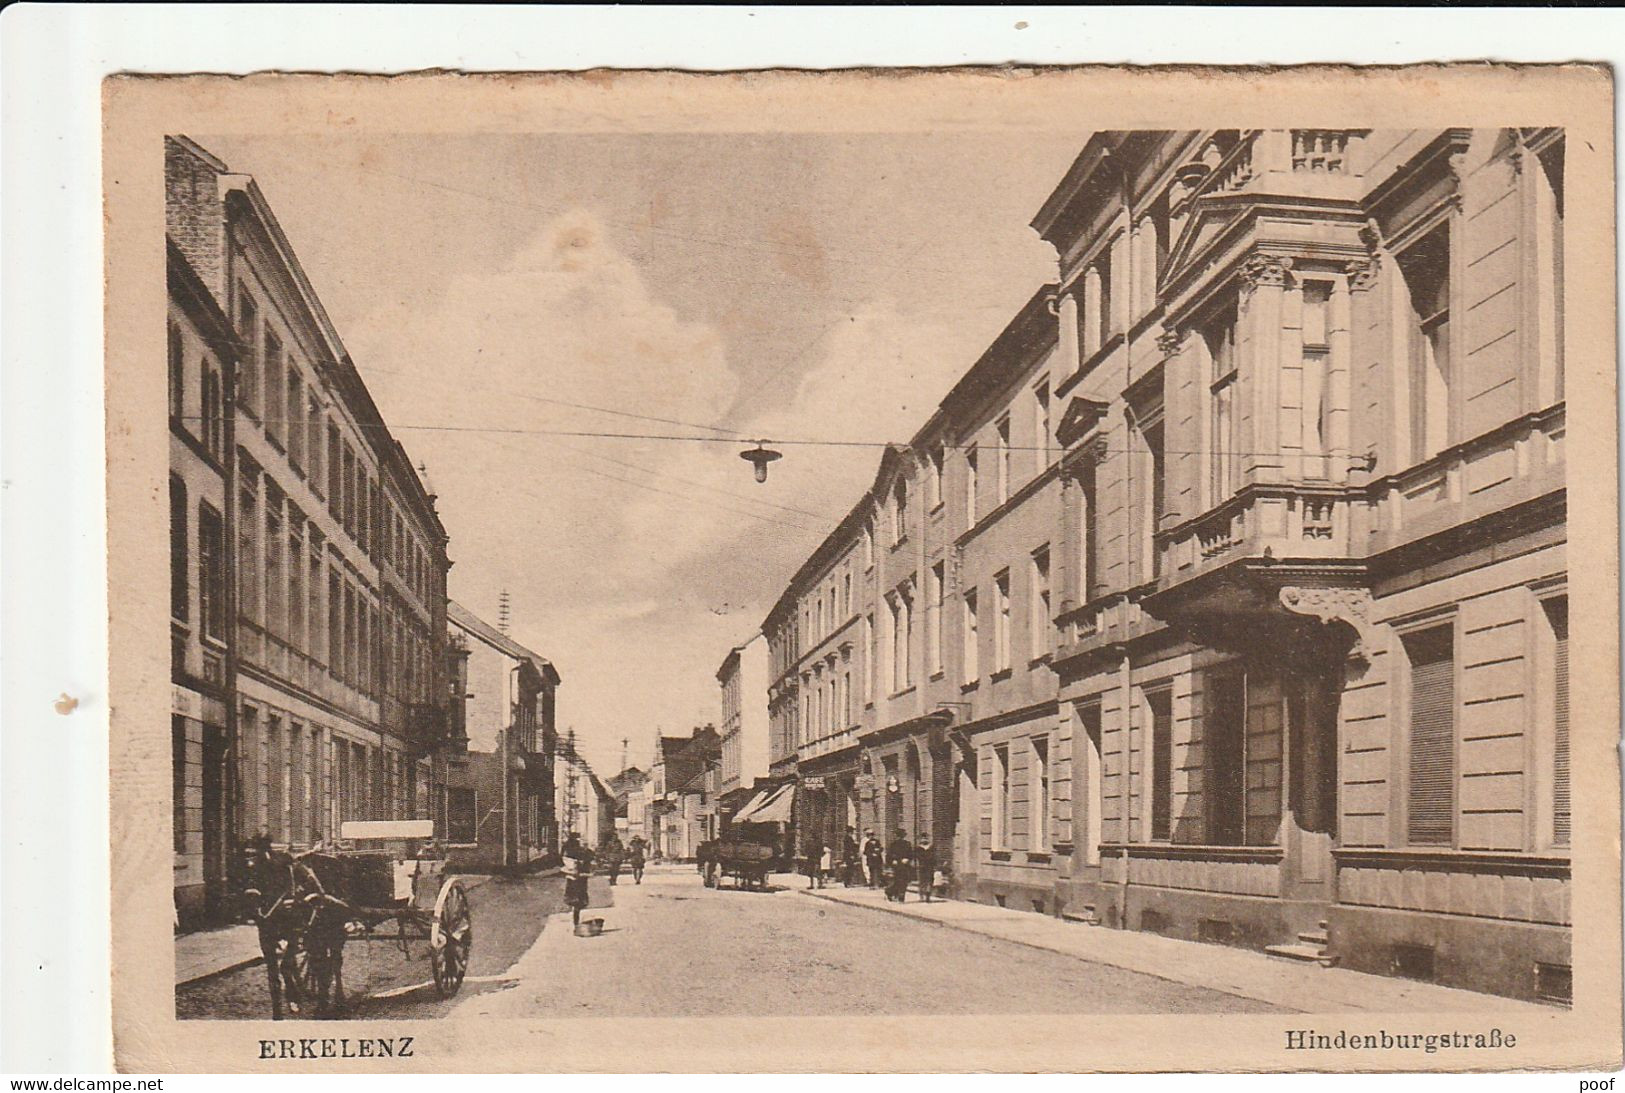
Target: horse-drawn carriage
308,905
748,863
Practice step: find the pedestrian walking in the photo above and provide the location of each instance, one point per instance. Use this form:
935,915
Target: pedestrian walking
636,860
925,867
874,858
577,872
826,866
900,859
851,859
812,856
614,857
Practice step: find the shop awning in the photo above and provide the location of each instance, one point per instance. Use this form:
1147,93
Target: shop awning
755,803
777,809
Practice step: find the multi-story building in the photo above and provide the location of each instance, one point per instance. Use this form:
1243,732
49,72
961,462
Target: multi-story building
1241,560
337,559
1312,648
586,808
499,791
676,796
202,367
742,679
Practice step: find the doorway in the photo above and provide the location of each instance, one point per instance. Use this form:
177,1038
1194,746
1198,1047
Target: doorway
214,821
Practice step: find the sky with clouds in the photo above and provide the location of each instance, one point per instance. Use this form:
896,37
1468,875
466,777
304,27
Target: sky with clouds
816,286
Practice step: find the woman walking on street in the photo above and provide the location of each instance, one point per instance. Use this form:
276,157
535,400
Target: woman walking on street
925,865
812,856
577,871
637,861
826,866
851,859
900,858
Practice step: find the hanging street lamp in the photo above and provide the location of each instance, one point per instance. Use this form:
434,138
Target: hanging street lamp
760,457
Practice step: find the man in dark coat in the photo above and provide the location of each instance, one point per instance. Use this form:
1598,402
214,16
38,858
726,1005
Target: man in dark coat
577,871
900,859
635,859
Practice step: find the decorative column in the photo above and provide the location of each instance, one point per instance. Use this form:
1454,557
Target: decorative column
1264,279
1091,312
1339,398
1066,311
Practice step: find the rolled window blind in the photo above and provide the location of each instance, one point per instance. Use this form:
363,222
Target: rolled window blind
1431,813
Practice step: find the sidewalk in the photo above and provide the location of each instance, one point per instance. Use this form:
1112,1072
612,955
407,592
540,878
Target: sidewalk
211,952
1303,988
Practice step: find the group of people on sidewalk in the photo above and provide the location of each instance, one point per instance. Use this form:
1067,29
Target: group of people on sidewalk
892,867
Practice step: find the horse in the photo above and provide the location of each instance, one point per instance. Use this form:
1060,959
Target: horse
301,926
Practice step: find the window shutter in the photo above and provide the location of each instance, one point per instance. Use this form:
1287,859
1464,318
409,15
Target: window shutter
1558,613
1430,817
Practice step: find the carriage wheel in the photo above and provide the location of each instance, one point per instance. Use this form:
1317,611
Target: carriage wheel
451,939
303,983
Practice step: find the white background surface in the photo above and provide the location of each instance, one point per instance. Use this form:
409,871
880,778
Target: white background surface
53,770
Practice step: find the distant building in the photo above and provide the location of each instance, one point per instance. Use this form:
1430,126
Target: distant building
680,808
499,793
586,807
745,730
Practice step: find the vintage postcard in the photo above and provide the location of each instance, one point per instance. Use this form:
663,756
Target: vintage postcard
868,571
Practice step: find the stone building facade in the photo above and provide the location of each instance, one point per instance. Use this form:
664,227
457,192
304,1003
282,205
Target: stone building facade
1240,555
334,556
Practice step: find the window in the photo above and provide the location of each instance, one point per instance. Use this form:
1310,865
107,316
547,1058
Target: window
177,373
211,564
1039,611
933,479
869,545
335,625
248,548
1001,431
335,473
1041,422
1430,816
846,699
970,486
1548,183
1316,355
275,412
313,583
870,655
1001,797
296,417
1556,612
1162,763
276,782
1220,338
179,555
1150,495
902,624
461,815
899,510
972,650
1425,267
276,581
314,439
933,624
248,366
214,437
347,499
846,594
1224,742
177,781
1087,540
1039,780
1001,622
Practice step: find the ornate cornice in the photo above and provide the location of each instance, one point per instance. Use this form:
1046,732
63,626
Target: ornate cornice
1348,606
1171,342
1362,273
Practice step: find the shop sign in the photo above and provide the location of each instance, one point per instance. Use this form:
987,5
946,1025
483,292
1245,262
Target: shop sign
184,702
812,783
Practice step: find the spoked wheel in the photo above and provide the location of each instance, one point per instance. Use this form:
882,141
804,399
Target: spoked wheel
451,939
304,985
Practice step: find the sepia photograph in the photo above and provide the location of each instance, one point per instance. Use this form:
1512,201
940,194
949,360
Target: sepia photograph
923,566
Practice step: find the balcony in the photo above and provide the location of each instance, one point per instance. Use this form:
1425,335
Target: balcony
1324,162
1287,521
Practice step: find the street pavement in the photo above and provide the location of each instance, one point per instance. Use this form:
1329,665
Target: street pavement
384,982
674,948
